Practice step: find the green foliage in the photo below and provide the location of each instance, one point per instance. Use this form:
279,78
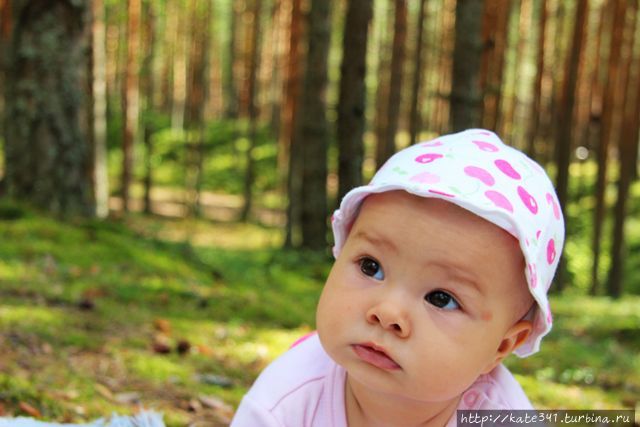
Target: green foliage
225,150
579,231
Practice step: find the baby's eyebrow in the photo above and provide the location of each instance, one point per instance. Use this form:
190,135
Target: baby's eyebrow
376,240
459,273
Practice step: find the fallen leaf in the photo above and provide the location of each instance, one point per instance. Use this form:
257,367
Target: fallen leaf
29,410
66,394
203,349
215,403
162,325
104,391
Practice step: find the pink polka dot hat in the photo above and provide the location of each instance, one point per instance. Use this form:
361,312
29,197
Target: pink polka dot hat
475,170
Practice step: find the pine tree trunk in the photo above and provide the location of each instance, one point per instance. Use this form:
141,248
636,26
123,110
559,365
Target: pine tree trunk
418,71
170,41
628,89
465,92
315,129
383,73
252,107
179,76
495,37
441,113
147,86
566,114
351,104
534,119
607,130
289,151
99,114
48,155
271,69
506,90
388,146
230,89
567,105
5,33
131,98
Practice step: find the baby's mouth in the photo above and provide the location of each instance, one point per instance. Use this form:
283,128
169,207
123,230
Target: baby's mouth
375,355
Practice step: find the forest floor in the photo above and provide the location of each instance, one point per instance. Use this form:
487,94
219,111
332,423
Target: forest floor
181,315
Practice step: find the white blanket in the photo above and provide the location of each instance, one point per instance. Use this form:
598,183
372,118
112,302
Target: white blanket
142,419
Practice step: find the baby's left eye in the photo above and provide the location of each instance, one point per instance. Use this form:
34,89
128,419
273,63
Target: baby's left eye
442,300
372,268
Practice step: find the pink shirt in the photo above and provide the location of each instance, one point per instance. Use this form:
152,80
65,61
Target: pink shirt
305,388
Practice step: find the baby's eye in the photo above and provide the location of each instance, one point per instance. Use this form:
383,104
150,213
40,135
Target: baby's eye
442,300
371,267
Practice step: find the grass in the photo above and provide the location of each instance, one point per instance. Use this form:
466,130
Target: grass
83,305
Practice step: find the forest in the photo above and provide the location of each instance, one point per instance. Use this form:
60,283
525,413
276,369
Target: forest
168,169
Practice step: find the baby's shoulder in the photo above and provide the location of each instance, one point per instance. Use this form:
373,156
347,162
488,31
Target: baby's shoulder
301,372
495,390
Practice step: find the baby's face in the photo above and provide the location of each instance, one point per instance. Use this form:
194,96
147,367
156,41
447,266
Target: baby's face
424,297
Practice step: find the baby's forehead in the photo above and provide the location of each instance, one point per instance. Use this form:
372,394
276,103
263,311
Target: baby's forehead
451,214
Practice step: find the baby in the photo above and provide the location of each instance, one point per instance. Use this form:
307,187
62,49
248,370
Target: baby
442,268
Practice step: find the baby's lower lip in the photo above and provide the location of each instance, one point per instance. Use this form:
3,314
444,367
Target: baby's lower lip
374,357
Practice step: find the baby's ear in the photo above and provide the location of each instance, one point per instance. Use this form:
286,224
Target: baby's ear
513,338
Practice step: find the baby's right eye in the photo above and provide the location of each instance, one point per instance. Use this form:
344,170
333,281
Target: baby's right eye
372,268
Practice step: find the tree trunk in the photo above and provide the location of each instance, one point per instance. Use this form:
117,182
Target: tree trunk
418,71
148,93
47,130
441,114
628,90
388,146
5,33
315,129
252,109
351,104
230,88
607,131
594,130
465,92
131,98
566,113
200,94
272,70
534,118
383,81
170,41
289,153
495,37
99,114
179,82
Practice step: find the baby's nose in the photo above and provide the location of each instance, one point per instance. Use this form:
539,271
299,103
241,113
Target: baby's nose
390,317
